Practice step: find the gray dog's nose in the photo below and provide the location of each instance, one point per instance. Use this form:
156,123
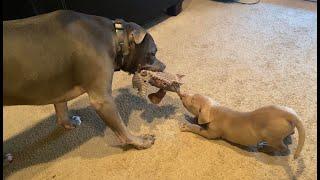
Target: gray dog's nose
157,66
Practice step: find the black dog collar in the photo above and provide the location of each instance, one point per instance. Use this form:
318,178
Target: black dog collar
122,41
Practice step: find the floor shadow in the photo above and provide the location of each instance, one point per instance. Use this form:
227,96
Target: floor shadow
127,102
266,157
224,1
46,141
155,21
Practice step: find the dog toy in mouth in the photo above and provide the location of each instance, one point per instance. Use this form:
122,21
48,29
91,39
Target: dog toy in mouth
162,80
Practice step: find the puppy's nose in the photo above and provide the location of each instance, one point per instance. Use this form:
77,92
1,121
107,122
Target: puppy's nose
181,95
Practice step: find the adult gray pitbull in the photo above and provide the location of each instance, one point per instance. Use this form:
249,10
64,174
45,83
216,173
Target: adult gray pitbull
56,57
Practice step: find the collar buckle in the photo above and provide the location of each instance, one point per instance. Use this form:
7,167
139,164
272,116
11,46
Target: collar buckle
122,37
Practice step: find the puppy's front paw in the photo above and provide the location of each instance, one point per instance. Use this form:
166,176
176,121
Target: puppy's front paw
184,127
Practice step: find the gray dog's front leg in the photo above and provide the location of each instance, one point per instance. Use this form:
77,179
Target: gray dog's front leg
62,115
209,134
106,109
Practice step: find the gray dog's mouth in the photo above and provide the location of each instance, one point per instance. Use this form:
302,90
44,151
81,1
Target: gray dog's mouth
157,66
154,67
151,68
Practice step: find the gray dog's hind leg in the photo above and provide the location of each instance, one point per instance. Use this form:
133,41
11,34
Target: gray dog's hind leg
209,134
62,115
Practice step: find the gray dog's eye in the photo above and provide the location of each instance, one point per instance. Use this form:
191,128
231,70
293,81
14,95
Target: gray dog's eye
149,58
150,55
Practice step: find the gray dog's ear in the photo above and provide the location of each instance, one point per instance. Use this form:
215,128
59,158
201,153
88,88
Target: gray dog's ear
137,32
204,115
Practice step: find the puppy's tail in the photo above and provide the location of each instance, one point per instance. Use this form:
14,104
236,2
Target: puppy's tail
302,136
301,131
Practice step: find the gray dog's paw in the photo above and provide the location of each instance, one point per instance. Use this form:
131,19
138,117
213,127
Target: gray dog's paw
70,123
143,142
67,124
184,127
148,140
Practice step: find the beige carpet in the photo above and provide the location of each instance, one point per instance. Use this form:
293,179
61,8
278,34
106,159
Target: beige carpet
243,56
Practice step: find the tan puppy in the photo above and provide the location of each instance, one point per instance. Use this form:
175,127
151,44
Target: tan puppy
271,123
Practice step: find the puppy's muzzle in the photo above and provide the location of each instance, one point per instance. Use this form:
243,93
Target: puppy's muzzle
181,95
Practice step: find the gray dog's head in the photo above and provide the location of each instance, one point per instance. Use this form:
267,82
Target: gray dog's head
143,51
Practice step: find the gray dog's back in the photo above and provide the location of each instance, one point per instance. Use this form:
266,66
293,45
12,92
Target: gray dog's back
42,54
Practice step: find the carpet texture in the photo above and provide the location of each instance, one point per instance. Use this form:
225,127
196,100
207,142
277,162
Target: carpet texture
243,56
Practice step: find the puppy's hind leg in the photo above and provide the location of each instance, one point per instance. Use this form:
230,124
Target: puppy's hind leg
279,146
62,115
207,133
287,140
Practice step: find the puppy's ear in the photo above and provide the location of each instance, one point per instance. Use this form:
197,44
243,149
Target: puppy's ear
205,115
137,32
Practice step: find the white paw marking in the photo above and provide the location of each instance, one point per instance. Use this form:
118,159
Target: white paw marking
76,120
9,157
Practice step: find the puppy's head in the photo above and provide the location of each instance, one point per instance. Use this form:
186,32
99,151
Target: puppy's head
187,101
198,105
143,51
